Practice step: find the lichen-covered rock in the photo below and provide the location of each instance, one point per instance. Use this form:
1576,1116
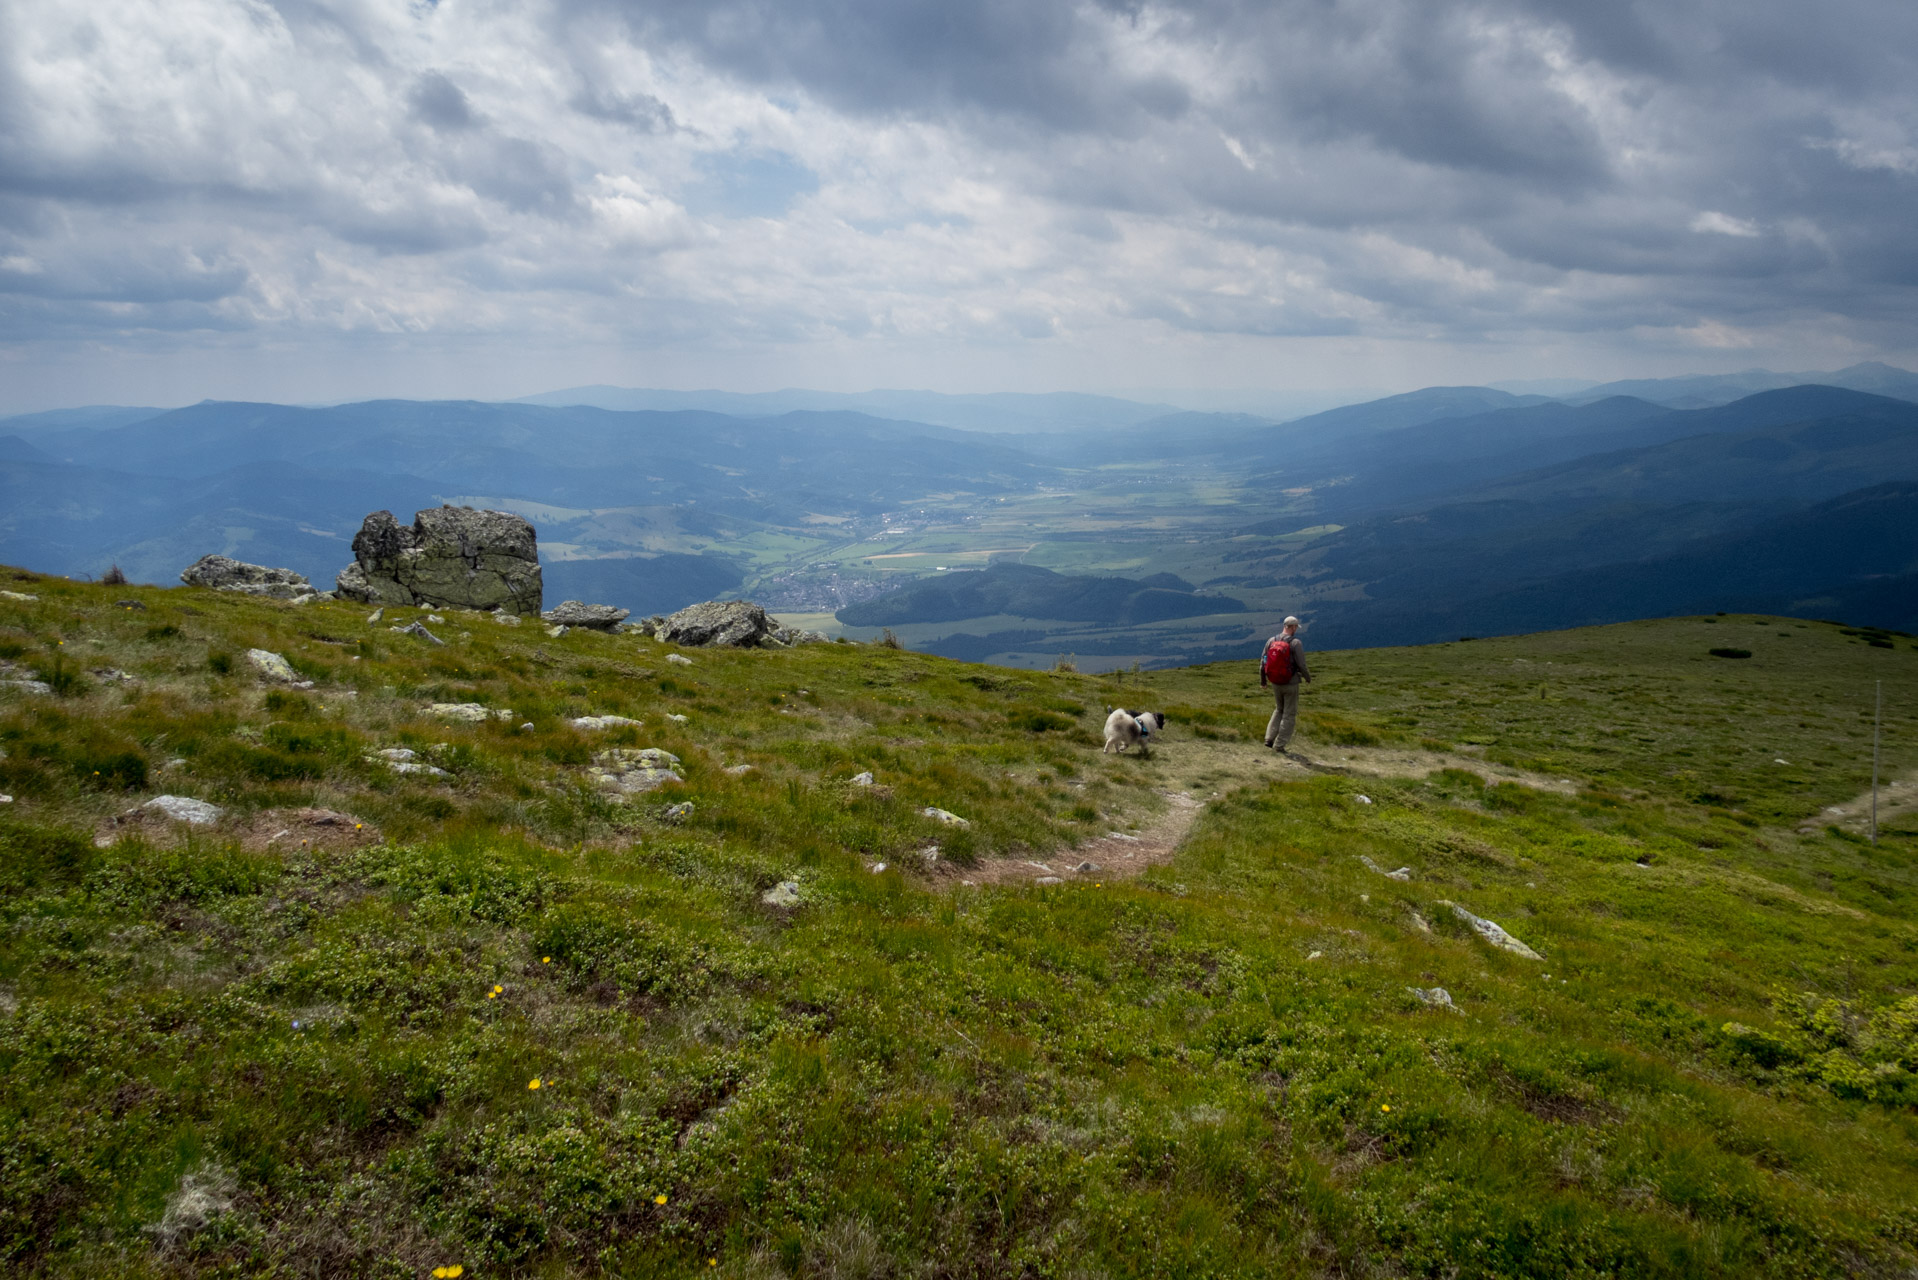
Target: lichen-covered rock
597,617
738,624
185,809
1491,932
601,722
222,573
469,712
274,667
628,771
454,557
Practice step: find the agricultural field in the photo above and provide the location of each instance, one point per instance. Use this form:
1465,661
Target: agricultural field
1129,1016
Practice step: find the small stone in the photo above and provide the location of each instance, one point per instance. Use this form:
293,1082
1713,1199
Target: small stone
862,779
527,727
1418,921
1365,799
27,686
783,894
877,867
1403,873
186,809
929,854
941,815
677,813
676,719
1048,880
416,628
1086,868
434,617
6,799
505,619
1315,955
738,770
679,660
557,631
1437,997
17,595
1120,835
376,616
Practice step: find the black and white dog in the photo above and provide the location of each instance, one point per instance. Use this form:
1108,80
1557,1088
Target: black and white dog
1132,728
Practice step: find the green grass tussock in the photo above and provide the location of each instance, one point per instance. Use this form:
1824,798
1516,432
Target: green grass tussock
531,1031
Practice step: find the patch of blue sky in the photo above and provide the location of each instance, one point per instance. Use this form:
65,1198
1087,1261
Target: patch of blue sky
749,184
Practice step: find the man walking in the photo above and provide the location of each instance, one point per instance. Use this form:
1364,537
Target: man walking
1281,670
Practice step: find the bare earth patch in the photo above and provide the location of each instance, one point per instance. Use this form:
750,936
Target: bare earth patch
277,829
1897,809
1401,762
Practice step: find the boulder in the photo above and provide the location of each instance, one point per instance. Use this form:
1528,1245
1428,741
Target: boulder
224,574
737,624
272,666
449,556
597,617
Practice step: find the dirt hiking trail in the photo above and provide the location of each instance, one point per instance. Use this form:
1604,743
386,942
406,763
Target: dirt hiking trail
1186,773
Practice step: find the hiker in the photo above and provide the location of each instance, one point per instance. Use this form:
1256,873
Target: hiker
1281,669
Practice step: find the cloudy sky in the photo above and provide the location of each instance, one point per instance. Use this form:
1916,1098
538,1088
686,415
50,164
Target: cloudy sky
328,199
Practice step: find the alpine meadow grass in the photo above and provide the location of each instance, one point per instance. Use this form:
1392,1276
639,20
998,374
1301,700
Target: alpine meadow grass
480,1016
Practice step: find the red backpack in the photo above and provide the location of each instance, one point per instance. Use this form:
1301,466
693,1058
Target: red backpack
1278,666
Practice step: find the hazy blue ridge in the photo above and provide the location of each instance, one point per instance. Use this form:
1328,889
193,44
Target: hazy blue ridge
644,584
991,412
1031,592
1848,556
96,416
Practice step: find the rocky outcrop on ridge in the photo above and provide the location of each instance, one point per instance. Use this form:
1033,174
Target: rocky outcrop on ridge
453,557
737,624
223,573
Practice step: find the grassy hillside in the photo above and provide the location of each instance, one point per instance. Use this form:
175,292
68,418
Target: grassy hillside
298,1044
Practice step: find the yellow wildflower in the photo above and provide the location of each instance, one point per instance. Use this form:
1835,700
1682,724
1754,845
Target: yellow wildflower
660,1198
546,959
1385,1106
533,1083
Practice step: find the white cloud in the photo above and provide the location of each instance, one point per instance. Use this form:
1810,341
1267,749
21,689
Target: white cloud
995,192
1712,222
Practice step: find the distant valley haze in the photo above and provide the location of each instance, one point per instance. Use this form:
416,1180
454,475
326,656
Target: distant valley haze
1158,321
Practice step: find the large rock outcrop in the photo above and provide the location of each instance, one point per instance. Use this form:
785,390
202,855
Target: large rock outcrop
738,624
225,574
453,557
595,617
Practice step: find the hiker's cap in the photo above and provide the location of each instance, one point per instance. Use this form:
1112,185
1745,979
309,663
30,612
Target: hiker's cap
1291,622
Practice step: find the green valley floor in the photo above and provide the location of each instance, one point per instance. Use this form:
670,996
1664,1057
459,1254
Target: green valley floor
426,994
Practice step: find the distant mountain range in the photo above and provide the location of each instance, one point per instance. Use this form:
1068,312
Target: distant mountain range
1446,511
1000,413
